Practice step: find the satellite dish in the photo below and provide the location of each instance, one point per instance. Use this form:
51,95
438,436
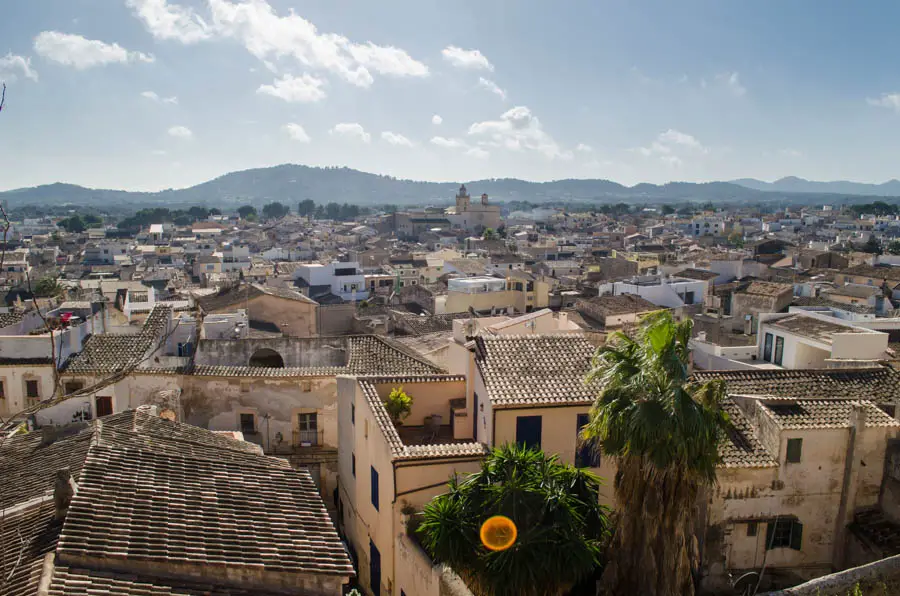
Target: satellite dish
168,414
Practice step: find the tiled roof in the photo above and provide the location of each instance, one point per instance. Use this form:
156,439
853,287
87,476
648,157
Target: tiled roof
400,451
205,370
536,370
25,537
238,295
880,384
827,413
108,353
171,508
742,449
698,274
422,324
765,288
619,305
10,318
877,272
161,493
373,354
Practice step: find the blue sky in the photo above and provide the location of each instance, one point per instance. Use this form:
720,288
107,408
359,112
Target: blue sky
151,94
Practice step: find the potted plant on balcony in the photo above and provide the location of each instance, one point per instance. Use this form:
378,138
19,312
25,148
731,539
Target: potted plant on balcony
398,405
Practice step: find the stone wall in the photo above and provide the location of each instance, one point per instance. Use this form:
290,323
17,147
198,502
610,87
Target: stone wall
880,578
336,319
295,351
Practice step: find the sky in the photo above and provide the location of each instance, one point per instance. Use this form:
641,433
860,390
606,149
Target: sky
154,94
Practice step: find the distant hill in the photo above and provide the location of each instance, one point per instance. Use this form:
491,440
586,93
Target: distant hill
793,184
291,183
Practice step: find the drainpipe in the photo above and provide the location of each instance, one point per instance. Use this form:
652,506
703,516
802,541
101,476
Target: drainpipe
850,483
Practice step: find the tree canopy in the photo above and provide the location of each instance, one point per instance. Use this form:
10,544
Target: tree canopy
562,528
664,430
245,211
275,210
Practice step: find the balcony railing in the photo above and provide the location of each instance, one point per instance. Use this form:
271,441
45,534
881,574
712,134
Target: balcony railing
307,438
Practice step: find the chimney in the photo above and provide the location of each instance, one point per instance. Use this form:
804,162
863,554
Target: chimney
63,491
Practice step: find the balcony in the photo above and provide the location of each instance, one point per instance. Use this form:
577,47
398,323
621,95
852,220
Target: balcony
307,438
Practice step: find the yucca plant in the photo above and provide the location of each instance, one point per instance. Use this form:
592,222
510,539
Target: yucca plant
562,529
664,431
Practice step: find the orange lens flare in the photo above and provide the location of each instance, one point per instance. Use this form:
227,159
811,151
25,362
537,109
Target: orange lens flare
498,533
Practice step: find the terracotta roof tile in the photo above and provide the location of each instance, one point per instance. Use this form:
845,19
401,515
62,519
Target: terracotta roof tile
879,384
828,413
535,370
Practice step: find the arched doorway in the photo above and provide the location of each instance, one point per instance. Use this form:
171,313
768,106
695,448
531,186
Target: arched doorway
266,358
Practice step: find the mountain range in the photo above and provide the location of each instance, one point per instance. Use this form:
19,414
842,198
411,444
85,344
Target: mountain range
290,183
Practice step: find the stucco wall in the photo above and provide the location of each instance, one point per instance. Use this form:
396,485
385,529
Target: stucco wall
216,403
293,317
13,378
558,436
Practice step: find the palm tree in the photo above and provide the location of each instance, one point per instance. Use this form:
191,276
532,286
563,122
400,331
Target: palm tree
664,431
562,529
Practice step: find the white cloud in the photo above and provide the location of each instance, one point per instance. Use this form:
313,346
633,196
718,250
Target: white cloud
81,53
672,146
305,88
790,153
268,36
582,148
478,153
352,130
436,120
393,138
732,81
169,21
887,100
152,96
492,87
12,65
466,58
518,129
158,152
449,143
181,132
296,132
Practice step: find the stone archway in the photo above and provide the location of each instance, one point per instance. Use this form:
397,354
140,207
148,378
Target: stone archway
266,358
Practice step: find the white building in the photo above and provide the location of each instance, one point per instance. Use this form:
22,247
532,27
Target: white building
707,226
345,279
669,292
804,339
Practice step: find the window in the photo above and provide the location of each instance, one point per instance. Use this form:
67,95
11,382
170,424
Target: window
308,427
779,350
352,413
688,297
784,533
751,528
73,386
767,348
374,488
31,389
586,456
353,464
185,349
794,450
104,405
248,423
528,431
